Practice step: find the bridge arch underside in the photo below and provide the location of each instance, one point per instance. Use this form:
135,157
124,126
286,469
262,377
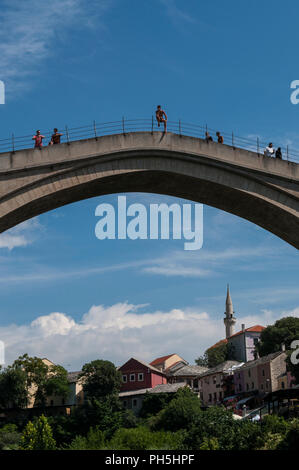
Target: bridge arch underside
221,186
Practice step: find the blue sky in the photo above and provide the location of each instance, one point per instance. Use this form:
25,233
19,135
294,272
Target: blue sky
70,297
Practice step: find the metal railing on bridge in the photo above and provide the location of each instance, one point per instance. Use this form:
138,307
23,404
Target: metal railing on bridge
96,130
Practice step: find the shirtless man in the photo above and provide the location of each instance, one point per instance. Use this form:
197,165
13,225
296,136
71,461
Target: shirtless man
38,140
55,139
161,117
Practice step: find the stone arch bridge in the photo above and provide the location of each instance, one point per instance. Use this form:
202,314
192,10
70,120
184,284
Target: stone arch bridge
260,189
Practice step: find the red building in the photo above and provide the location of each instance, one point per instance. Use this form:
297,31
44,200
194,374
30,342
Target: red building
137,375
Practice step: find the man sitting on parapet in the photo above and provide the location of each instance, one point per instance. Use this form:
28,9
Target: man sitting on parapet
161,117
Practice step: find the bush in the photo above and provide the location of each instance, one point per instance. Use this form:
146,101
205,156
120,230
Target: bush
38,436
291,439
216,427
180,413
142,438
274,424
93,441
9,437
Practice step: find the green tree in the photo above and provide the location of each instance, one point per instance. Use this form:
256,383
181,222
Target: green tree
13,391
42,380
100,379
180,412
284,331
291,438
38,436
153,403
218,424
214,356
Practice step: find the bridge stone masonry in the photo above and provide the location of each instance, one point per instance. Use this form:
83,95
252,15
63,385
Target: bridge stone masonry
260,189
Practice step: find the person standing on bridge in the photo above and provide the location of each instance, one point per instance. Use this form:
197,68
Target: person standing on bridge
269,151
278,153
38,140
161,117
208,137
55,139
219,137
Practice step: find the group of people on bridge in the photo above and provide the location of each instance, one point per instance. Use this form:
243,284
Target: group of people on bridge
38,138
161,118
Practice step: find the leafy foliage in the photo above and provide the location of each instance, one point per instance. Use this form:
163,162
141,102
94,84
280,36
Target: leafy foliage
9,437
218,424
13,391
214,356
180,412
284,331
42,380
101,379
38,436
141,438
153,403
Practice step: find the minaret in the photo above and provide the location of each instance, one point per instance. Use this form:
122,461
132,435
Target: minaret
229,319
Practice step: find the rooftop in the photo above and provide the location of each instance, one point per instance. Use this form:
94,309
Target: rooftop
163,388
188,370
149,366
159,360
262,360
223,367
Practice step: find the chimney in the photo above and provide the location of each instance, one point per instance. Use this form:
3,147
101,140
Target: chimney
283,347
243,327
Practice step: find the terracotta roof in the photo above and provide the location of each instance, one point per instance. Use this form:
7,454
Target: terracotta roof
159,360
255,329
220,343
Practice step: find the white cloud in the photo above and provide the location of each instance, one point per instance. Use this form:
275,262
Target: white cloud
30,30
21,235
121,331
177,15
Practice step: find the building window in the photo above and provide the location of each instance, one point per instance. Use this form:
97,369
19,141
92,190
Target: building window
220,395
132,377
255,341
247,386
252,385
249,373
125,403
282,384
210,397
214,379
263,372
140,377
262,386
240,388
215,395
124,379
134,402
